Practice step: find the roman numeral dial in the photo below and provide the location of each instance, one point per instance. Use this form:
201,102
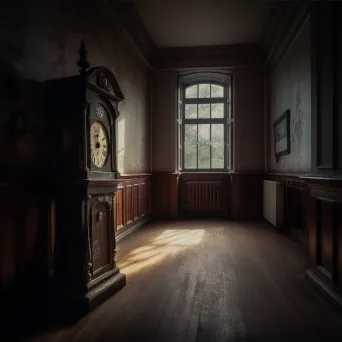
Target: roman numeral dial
98,144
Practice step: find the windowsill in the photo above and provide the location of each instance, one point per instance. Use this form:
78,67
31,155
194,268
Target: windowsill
231,172
223,171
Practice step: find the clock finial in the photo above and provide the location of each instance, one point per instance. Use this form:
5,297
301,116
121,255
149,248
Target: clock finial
82,62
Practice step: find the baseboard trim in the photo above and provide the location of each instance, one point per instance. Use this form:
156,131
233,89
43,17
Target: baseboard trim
323,290
127,231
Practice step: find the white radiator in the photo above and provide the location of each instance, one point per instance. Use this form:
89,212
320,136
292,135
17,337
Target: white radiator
274,203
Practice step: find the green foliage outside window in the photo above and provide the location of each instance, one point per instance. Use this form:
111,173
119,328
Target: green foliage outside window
204,143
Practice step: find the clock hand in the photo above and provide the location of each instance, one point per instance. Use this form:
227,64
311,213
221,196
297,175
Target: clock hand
96,138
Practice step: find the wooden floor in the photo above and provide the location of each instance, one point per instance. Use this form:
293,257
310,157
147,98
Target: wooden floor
209,281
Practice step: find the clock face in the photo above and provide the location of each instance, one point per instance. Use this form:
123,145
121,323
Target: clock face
98,144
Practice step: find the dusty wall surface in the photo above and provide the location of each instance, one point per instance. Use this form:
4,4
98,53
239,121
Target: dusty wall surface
290,88
40,40
248,110
164,116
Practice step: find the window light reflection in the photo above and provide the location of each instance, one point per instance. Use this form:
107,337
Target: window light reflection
169,243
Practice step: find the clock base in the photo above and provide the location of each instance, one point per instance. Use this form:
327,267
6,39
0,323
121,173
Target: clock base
103,289
99,290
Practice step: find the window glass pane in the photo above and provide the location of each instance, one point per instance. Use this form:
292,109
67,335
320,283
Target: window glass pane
217,91
217,146
204,111
190,146
204,90
217,111
191,111
204,146
191,92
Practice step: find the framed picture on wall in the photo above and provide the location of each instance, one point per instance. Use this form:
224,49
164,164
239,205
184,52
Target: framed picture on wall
281,129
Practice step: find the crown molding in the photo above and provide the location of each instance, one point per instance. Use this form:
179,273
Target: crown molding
135,30
156,58
282,26
124,18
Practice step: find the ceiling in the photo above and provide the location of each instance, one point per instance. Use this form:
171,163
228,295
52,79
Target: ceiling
188,23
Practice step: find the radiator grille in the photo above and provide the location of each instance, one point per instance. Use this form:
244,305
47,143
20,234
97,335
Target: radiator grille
202,195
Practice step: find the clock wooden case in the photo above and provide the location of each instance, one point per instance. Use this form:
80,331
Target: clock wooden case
82,112
82,107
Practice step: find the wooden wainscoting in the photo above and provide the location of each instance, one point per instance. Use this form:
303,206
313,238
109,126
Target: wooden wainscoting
229,194
24,254
204,194
325,237
132,203
315,203
165,195
296,193
246,195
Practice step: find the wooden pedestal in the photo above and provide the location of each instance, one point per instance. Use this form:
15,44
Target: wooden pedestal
85,257
73,306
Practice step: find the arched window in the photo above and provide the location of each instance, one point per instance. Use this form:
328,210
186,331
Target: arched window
205,123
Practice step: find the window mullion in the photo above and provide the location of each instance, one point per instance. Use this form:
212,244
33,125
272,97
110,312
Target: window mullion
183,137
197,130
205,121
210,145
181,131
226,146
205,100
180,144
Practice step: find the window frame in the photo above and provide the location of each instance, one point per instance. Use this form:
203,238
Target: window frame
221,79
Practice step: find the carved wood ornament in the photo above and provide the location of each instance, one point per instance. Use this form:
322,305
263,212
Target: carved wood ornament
84,108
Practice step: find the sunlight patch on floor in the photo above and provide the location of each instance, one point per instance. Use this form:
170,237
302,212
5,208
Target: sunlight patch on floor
170,242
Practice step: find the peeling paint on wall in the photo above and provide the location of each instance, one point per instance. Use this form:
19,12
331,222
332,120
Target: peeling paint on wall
290,86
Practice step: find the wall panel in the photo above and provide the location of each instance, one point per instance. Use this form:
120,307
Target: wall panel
165,197
136,200
246,195
119,208
239,194
131,203
321,212
24,254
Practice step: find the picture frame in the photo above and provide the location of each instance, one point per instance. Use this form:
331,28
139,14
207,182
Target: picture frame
281,131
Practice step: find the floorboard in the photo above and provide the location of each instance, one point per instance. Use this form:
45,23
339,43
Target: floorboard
208,281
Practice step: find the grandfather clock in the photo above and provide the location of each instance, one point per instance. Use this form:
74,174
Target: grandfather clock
82,112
